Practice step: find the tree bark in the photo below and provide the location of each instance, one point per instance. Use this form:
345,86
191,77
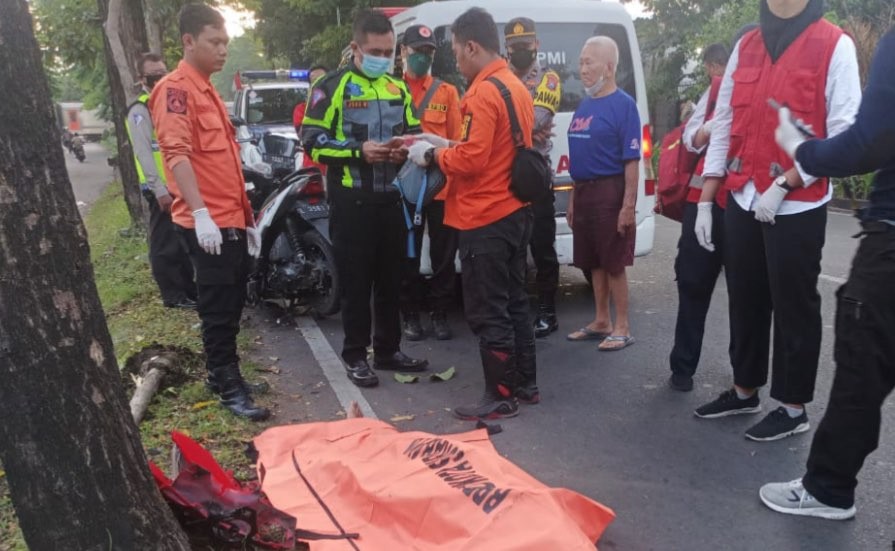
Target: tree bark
77,473
154,32
125,39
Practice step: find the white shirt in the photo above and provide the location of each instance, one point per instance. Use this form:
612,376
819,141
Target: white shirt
697,119
843,95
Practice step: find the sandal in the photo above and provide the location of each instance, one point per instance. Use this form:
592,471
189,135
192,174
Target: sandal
586,334
625,340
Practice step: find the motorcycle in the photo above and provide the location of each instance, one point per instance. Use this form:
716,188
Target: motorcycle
297,263
78,149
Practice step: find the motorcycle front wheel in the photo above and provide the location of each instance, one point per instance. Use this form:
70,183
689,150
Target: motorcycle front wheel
319,251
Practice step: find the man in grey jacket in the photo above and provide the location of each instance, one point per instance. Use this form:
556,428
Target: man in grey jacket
170,264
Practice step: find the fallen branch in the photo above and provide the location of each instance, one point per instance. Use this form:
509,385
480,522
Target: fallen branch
148,385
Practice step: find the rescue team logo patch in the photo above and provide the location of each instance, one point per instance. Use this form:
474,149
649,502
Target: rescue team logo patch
464,131
357,104
317,96
552,81
176,100
425,32
393,88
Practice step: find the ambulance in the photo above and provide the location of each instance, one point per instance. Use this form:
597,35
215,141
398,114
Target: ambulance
563,26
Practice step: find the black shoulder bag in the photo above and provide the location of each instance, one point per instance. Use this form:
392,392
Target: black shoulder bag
530,178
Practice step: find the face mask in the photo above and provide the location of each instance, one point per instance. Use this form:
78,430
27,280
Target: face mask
152,80
592,91
522,59
375,67
419,63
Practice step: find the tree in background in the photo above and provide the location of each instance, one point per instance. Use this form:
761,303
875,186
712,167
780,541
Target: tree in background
245,52
78,476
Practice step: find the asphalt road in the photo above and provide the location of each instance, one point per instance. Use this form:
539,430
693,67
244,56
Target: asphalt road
609,427
90,178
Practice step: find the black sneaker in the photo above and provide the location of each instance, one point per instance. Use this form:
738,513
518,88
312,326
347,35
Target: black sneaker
490,407
778,425
440,326
728,403
413,329
681,383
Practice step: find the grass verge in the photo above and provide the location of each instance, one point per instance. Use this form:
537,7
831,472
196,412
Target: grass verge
137,318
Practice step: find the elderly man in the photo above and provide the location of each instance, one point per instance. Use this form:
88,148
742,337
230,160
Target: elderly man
775,222
604,152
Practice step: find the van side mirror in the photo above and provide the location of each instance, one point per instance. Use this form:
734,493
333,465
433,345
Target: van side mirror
237,121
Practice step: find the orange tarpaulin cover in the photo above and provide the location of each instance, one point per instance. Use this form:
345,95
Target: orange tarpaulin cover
414,491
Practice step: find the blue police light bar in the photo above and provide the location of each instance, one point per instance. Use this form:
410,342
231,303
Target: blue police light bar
299,74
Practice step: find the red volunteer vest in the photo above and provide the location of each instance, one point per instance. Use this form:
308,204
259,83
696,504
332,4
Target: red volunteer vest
798,80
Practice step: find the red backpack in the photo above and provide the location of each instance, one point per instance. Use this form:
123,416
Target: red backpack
677,165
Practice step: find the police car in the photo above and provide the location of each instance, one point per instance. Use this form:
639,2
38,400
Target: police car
562,29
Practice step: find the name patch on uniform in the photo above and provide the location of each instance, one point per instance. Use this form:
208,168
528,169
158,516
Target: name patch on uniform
357,104
437,107
464,131
176,100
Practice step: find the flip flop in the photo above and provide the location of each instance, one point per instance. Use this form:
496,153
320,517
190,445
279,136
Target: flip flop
625,340
587,334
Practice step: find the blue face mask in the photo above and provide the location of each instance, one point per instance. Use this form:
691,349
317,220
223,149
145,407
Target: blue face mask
375,67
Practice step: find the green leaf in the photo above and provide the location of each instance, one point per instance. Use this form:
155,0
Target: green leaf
443,376
406,379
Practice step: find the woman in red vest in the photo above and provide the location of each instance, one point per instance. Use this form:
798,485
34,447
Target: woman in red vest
776,215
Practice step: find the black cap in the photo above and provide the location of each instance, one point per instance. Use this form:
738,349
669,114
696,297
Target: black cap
418,35
520,29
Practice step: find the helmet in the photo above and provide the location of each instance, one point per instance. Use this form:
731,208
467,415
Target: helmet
413,179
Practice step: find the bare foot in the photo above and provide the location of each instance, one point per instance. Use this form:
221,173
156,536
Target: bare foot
354,411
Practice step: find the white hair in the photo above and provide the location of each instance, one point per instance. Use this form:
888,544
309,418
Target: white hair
604,43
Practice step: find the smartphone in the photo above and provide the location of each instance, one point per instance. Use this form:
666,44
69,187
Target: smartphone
801,126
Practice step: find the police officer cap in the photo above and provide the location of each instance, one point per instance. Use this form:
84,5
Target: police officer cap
417,36
520,29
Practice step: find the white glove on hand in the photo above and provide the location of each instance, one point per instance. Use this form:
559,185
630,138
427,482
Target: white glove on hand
704,226
708,126
207,232
769,204
788,136
418,152
253,236
437,141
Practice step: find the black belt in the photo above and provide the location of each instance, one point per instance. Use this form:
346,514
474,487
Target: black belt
874,227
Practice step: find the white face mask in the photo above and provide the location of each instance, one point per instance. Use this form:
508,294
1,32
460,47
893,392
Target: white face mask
592,91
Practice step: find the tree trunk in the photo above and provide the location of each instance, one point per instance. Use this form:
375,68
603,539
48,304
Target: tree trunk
77,473
154,32
125,39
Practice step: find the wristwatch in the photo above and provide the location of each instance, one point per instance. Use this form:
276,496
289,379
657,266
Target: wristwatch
781,181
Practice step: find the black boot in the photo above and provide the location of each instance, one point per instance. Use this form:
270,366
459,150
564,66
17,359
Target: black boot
440,326
413,330
498,401
233,393
526,390
546,321
251,388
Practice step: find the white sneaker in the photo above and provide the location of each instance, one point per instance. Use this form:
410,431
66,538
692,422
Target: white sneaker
791,498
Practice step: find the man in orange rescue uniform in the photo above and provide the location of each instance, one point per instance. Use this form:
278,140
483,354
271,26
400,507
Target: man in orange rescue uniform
211,211
495,227
437,106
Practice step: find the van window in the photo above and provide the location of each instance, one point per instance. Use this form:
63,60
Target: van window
273,105
561,45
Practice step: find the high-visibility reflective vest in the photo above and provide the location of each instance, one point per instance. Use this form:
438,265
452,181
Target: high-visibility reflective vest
156,151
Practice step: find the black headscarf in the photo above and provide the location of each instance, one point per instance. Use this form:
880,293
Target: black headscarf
779,33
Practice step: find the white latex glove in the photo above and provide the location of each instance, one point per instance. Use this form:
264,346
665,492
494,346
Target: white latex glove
708,126
418,152
253,236
769,204
437,141
788,136
704,226
207,232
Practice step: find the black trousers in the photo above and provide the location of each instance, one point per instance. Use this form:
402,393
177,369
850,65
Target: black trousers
865,373
773,270
169,260
221,283
442,251
369,242
696,271
494,298
543,251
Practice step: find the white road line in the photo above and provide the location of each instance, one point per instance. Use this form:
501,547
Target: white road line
833,279
332,367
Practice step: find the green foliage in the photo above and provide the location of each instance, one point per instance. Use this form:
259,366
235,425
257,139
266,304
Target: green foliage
244,52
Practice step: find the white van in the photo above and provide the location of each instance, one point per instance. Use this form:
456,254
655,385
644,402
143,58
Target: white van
563,26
